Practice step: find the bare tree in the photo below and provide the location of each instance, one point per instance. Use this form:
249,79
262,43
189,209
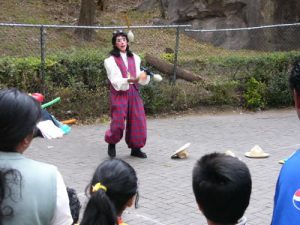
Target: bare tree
162,9
86,18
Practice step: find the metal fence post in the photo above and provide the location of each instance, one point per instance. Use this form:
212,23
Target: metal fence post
43,53
175,56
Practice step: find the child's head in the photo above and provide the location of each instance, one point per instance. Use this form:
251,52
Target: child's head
222,187
294,79
112,189
18,117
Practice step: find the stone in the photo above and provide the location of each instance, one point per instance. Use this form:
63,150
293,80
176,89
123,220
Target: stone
220,14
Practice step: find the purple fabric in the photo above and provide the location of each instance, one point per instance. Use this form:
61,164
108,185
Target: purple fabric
127,105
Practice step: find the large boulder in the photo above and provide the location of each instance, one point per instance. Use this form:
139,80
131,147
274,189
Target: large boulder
218,14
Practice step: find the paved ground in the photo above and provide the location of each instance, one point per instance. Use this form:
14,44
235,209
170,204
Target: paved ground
165,184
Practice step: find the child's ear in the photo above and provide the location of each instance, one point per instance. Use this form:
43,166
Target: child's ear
130,201
297,102
24,144
199,207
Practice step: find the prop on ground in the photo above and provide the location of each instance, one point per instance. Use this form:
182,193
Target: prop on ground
69,121
49,127
282,161
256,152
181,153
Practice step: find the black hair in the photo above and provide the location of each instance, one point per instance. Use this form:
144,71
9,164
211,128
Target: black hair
294,79
222,187
120,181
8,178
18,117
74,204
115,51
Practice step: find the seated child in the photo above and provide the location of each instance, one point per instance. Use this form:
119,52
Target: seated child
222,188
112,189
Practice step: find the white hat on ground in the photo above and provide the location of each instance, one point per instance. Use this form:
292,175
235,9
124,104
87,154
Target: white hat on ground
181,153
256,152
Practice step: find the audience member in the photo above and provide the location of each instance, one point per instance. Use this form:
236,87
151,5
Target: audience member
112,189
31,192
222,188
287,194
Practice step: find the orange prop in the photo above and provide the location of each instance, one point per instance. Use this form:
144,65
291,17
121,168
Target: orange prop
70,121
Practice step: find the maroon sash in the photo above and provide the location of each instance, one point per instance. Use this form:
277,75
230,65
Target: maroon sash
131,67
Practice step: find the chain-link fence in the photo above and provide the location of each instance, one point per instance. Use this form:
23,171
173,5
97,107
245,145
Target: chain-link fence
278,37
44,41
176,44
19,41
198,46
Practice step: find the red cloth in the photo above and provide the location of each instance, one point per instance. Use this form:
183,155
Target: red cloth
127,105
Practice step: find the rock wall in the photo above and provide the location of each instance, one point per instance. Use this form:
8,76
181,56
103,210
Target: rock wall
217,14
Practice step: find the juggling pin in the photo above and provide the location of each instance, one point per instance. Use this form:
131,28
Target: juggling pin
130,36
156,77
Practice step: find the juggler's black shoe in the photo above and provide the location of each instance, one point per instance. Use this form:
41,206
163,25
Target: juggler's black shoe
111,150
136,152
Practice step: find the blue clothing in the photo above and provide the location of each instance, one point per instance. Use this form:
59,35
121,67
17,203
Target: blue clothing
287,194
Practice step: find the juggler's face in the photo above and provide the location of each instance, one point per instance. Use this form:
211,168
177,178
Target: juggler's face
121,43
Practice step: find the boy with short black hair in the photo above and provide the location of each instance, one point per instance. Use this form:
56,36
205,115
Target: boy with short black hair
222,188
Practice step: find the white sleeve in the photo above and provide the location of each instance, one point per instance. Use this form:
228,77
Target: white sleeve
115,76
62,213
137,60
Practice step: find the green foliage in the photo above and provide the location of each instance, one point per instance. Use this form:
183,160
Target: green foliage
255,94
162,97
268,71
223,92
153,98
262,66
79,69
21,73
82,104
79,78
169,57
278,92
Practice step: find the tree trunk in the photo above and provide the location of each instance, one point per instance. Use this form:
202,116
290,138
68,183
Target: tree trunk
86,18
167,68
162,9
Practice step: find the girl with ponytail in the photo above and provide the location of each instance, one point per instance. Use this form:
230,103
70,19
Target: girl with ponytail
112,189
